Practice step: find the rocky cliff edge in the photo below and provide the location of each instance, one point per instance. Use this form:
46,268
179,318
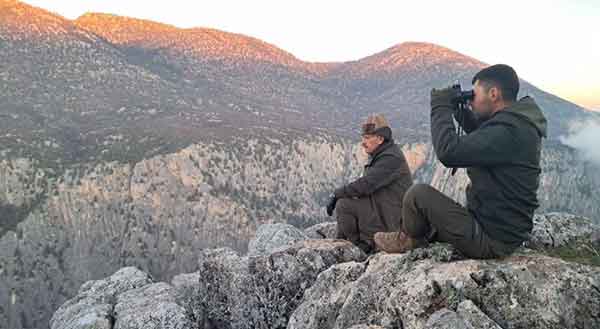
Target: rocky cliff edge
304,279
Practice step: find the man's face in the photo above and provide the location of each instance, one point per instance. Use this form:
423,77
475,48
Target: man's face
371,142
483,101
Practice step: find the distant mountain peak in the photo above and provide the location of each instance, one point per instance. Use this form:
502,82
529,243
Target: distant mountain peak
420,51
410,56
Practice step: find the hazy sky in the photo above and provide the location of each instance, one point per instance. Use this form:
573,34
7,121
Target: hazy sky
552,44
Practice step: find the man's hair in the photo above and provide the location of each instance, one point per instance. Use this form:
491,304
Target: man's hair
502,76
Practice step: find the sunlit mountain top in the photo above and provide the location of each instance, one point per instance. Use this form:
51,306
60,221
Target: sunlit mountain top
201,43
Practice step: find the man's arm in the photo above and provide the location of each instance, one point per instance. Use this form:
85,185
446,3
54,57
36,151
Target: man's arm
382,173
485,146
467,119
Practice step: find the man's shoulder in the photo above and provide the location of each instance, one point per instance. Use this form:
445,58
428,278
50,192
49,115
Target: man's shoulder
392,155
514,123
392,151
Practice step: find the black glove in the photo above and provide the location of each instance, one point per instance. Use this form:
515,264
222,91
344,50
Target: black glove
444,98
331,204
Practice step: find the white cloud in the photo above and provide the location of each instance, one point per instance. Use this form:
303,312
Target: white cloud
585,137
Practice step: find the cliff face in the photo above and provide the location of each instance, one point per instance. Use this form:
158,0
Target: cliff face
158,214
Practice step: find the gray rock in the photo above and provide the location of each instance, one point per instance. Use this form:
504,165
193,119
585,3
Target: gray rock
446,319
126,300
263,291
150,306
404,290
93,305
555,230
474,316
365,326
326,283
273,237
467,316
326,296
185,285
327,230
223,289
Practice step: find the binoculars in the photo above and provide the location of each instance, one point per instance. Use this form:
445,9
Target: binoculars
462,96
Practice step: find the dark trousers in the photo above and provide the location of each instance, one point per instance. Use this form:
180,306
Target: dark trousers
357,222
429,214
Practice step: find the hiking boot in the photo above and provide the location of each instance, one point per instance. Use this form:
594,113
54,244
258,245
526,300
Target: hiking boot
396,242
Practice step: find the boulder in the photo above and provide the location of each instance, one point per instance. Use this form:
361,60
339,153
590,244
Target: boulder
126,300
326,230
93,306
467,316
151,306
554,230
290,281
185,286
262,291
406,291
273,237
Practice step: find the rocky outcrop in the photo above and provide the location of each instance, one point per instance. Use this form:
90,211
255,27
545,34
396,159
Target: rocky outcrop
95,302
272,237
128,299
331,284
229,291
406,291
466,316
554,230
326,230
261,292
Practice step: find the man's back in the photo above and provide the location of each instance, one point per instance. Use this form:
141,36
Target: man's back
503,195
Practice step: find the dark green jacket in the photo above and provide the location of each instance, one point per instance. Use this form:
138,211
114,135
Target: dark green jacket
385,181
502,157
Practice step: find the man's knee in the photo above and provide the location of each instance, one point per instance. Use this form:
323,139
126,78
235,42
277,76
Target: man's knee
415,222
344,204
355,206
416,193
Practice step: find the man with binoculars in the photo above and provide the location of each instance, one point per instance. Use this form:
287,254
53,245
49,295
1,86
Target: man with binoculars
501,151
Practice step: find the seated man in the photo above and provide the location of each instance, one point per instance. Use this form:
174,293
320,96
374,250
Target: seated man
373,203
501,152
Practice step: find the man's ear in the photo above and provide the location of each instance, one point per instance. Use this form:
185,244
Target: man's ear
495,94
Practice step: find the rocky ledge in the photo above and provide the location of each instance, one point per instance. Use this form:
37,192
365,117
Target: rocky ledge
304,279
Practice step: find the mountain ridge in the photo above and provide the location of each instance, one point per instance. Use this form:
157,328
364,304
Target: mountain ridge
82,84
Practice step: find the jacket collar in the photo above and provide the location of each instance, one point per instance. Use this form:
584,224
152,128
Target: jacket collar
386,145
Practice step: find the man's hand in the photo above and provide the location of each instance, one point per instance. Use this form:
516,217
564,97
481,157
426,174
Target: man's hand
331,204
443,98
